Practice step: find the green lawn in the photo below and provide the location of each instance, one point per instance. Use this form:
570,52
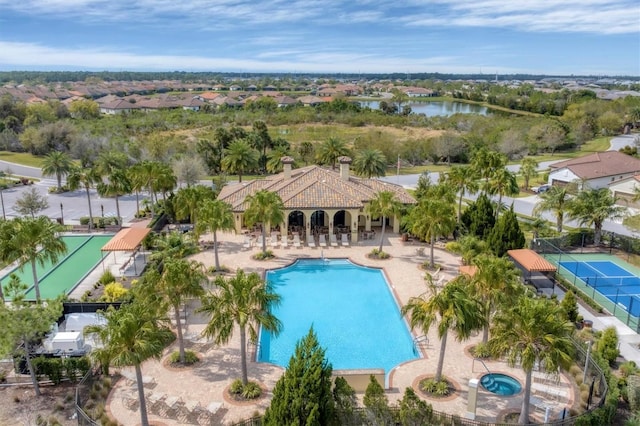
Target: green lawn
23,158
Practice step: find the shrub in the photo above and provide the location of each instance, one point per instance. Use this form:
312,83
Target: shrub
607,346
628,368
190,357
106,278
114,292
431,386
481,350
251,391
264,255
236,387
379,254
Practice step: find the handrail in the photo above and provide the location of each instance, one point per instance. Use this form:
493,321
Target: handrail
473,363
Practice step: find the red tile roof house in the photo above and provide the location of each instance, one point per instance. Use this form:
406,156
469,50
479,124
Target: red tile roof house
594,171
315,197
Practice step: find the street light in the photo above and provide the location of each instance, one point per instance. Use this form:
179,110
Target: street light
102,209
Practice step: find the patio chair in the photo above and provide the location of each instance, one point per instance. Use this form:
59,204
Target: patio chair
274,240
212,409
155,402
345,240
312,242
259,241
247,242
284,240
323,240
172,406
296,241
334,240
130,399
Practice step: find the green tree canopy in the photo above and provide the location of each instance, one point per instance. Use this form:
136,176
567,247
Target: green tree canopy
506,234
214,215
370,163
267,208
239,158
58,164
31,202
302,396
478,218
330,150
592,207
383,205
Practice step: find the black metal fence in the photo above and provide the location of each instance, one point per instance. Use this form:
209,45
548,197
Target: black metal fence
82,396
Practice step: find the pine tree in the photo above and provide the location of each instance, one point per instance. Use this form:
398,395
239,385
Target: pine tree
479,217
569,305
413,410
376,401
303,396
346,402
506,234
607,346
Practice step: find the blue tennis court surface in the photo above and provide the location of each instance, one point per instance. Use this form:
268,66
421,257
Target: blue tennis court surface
612,281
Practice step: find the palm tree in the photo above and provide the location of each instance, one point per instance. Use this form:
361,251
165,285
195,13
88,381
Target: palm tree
370,163
502,182
35,241
84,178
451,308
534,331
165,180
486,162
133,334
592,207
431,218
118,184
465,180
188,200
330,150
383,205
496,283
136,177
274,159
528,169
555,200
178,280
214,216
265,207
245,301
58,164
239,158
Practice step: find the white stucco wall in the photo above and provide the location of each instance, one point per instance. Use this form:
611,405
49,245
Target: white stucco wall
566,175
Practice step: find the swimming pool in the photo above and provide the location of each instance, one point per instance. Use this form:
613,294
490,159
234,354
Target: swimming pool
82,256
351,309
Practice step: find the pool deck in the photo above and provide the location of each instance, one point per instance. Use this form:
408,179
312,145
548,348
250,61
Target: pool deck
220,365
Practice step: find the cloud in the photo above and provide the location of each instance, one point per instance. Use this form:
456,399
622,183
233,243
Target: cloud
590,16
37,56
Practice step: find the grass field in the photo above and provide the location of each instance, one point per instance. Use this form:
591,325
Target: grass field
23,158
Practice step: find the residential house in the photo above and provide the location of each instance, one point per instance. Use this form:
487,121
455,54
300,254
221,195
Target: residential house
596,170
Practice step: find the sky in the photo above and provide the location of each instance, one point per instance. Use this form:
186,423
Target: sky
552,37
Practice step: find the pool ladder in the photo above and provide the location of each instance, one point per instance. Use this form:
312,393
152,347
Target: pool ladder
420,342
258,348
491,384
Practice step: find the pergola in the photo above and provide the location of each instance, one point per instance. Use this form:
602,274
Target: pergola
127,239
532,262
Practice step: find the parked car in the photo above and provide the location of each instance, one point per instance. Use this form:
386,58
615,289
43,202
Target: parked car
540,189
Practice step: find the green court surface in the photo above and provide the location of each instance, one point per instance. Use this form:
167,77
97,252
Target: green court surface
26,276
83,254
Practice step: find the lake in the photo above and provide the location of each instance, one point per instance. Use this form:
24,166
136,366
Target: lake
438,108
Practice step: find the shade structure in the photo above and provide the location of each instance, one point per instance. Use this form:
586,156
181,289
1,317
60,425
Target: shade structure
128,239
531,261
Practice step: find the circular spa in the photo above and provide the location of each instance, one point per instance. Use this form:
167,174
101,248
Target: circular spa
500,384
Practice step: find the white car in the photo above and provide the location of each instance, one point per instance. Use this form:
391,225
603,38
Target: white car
540,189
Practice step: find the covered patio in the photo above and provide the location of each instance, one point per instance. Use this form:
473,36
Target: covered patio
128,257
536,270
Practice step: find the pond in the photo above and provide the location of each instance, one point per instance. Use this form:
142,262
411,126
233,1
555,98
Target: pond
438,108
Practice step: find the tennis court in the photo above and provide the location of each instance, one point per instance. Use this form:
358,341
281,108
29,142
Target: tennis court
83,255
609,278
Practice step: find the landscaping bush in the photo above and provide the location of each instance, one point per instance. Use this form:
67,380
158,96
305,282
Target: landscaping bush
106,278
432,387
264,255
379,254
190,358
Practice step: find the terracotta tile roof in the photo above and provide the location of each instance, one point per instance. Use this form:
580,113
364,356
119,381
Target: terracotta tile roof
313,187
531,261
600,164
127,239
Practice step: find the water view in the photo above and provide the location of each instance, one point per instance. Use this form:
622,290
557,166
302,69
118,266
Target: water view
439,108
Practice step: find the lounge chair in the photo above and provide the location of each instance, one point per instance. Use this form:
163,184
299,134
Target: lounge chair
345,240
323,240
284,240
334,240
296,241
247,242
312,242
274,240
259,241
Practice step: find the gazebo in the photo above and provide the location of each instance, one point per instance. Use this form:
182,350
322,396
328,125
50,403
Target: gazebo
318,200
126,240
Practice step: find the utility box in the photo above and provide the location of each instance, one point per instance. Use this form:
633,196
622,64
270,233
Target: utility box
67,341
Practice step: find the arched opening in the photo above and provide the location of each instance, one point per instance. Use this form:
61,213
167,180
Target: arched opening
318,218
342,221
296,221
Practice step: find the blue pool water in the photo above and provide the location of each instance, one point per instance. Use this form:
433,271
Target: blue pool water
500,384
351,309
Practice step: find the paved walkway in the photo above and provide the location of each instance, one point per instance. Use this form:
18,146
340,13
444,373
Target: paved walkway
206,382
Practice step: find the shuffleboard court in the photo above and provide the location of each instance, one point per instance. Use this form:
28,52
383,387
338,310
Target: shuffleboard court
64,278
25,274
